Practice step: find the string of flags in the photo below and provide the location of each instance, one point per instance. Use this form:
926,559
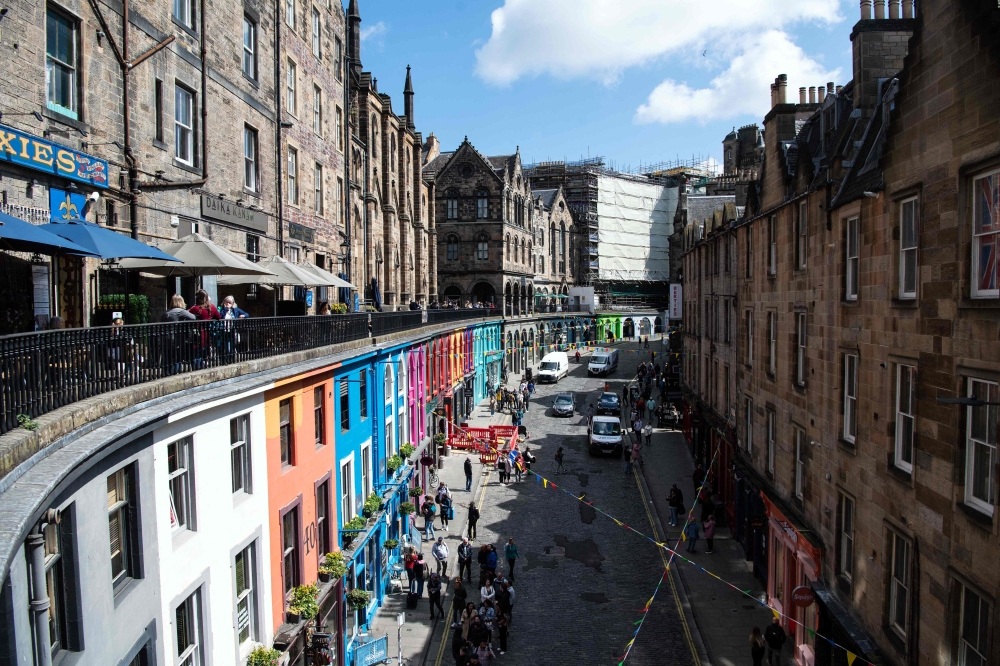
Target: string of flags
645,612
546,483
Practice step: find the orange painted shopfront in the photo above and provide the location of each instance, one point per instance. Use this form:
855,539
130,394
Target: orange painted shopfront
301,457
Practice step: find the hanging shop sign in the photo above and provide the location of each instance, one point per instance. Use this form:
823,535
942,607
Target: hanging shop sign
803,596
33,152
66,205
229,211
676,301
301,233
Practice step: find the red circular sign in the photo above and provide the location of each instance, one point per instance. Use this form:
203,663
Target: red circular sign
803,596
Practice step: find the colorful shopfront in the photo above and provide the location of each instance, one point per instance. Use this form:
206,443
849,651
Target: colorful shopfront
794,562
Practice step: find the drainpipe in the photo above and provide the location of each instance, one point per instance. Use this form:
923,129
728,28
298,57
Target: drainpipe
346,203
39,595
279,203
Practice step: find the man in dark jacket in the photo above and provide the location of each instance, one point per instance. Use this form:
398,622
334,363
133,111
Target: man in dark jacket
418,574
465,559
775,637
468,474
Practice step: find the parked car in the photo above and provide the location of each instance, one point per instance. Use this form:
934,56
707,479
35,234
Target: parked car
554,366
605,436
609,403
563,405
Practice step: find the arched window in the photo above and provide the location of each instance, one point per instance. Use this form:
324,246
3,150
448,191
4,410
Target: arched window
483,247
452,205
389,386
452,247
482,204
532,255
562,241
508,247
541,263
552,244
524,257
407,159
374,146
392,152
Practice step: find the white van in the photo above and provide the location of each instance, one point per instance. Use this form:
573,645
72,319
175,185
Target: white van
603,362
604,435
554,367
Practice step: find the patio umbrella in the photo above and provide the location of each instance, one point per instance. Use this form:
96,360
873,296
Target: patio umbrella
200,256
280,272
20,236
105,243
328,278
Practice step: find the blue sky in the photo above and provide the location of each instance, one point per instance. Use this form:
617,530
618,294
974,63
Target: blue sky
630,80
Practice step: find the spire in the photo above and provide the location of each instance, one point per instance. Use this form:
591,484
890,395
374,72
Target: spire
354,36
352,10
408,99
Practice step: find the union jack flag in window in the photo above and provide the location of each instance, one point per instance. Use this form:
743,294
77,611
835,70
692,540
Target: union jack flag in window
986,213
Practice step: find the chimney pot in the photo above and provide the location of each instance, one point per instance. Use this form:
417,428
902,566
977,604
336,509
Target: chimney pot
866,9
773,95
907,8
802,95
839,88
812,94
894,9
879,10
782,85
829,87
820,94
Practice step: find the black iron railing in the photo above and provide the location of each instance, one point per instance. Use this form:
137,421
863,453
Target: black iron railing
46,370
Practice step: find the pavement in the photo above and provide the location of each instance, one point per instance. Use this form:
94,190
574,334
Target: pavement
582,580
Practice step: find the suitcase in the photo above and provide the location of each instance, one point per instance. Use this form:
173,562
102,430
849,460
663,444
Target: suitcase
451,513
411,599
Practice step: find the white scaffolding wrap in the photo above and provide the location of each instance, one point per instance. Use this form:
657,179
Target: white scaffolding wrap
635,220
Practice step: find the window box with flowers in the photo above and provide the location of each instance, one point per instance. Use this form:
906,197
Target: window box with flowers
333,567
406,450
358,598
303,605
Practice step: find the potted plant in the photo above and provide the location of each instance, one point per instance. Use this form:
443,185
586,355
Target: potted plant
356,523
390,544
303,604
372,505
416,491
262,655
392,463
333,567
406,450
406,508
358,598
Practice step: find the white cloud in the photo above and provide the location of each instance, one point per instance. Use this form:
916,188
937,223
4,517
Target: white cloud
743,88
377,30
601,38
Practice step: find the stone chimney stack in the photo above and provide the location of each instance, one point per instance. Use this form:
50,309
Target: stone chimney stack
908,9
839,88
774,94
866,9
782,83
802,95
829,88
879,45
812,94
879,10
820,94
894,9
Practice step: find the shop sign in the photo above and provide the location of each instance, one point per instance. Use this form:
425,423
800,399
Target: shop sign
229,211
676,301
803,596
65,205
301,233
42,155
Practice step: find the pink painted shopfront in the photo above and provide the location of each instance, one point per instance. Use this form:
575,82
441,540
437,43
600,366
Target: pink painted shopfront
794,562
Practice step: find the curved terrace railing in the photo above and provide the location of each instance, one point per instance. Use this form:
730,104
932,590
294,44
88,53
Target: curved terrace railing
46,370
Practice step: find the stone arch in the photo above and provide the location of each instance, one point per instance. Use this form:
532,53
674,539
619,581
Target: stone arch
658,325
645,327
507,300
483,292
453,293
628,328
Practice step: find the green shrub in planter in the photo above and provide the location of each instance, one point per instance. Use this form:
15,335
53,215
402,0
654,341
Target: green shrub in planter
406,450
303,602
406,508
338,308
390,544
263,656
372,505
392,463
358,598
355,523
440,439
416,491
334,565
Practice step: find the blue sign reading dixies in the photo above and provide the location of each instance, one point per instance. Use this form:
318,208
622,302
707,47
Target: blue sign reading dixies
374,652
43,155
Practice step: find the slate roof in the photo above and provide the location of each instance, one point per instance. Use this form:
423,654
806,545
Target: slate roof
698,208
547,196
501,162
437,163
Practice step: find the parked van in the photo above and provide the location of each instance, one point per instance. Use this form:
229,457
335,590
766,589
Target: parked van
554,367
605,436
603,362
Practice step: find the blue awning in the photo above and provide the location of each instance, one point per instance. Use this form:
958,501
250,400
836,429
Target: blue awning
105,243
20,236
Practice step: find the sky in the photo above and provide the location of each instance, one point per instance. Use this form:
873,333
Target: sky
633,81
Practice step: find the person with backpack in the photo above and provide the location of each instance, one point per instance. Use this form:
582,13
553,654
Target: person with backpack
440,553
428,511
775,638
491,561
510,552
419,569
709,532
691,531
473,519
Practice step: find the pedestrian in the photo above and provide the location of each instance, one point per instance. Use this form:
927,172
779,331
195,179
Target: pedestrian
635,457
408,561
468,617
487,593
637,429
510,552
434,593
419,569
485,653
484,551
491,561
465,559
757,647
775,637
488,614
709,532
468,474
458,650
651,407
509,609
446,511
691,531
230,309
177,312
428,511
502,468
698,476
440,553
648,432
529,458
502,628
518,468
203,308
477,630
675,502
458,603
473,519
559,460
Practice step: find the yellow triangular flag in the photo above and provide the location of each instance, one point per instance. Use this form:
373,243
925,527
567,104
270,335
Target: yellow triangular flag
851,657
777,615
684,537
545,483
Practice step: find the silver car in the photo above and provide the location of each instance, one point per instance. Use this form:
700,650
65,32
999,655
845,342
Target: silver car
563,405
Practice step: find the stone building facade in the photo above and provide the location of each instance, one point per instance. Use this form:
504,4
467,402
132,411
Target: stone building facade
486,228
556,248
865,286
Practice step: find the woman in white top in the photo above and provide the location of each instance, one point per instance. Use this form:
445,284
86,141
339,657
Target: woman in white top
486,592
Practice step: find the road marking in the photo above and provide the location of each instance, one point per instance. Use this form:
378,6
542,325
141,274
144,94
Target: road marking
670,577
